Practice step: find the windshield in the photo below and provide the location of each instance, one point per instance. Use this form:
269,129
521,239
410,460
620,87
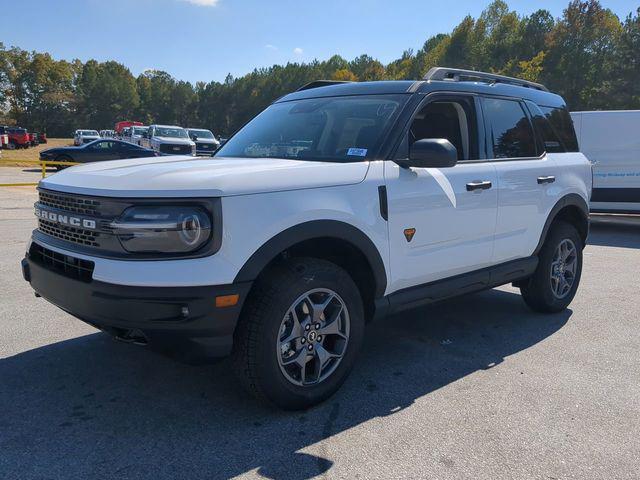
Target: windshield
336,129
201,133
174,132
140,130
89,133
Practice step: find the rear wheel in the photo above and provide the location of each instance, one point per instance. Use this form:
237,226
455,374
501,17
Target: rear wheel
299,333
555,281
62,158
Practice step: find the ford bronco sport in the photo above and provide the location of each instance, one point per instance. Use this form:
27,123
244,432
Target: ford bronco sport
339,203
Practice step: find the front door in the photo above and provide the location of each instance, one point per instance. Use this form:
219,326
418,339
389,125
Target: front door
442,221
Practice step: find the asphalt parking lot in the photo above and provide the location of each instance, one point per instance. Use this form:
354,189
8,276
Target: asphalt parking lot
478,387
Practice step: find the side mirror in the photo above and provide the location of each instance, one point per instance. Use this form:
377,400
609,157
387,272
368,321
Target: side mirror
431,153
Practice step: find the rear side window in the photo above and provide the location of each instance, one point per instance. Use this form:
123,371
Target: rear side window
547,137
510,131
562,124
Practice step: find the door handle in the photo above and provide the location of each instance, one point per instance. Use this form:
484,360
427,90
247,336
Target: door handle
547,179
478,185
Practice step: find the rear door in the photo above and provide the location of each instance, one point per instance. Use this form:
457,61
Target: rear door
526,176
442,220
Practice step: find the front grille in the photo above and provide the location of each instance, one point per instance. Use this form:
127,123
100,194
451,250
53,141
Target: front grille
70,203
175,149
66,265
70,234
204,146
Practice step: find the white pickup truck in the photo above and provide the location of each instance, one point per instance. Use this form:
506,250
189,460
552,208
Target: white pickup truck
339,203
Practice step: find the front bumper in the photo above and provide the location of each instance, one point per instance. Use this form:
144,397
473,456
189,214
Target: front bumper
183,321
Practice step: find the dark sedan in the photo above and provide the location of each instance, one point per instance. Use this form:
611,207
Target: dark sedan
96,151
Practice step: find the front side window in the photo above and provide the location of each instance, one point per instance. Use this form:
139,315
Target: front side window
102,146
334,129
509,128
453,120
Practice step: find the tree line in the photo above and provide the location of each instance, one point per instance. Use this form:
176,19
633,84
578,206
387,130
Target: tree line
588,55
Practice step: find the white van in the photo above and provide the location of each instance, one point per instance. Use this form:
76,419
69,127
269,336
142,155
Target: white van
611,140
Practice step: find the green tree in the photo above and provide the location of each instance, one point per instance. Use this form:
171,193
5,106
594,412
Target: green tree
581,52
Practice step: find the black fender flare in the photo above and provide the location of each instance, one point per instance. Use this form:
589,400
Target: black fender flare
308,231
572,199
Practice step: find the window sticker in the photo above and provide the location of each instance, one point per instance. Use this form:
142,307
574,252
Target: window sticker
357,152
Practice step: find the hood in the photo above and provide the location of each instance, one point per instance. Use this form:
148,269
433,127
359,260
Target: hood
173,140
186,176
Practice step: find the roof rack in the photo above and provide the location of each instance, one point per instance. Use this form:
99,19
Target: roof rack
459,75
320,83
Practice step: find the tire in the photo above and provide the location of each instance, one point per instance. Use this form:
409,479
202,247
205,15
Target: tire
543,292
62,158
263,358
11,146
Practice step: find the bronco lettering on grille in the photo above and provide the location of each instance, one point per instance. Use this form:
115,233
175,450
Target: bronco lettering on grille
70,220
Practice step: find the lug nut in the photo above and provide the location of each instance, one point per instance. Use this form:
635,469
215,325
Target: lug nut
302,340
319,337
317,325
308,327
310,347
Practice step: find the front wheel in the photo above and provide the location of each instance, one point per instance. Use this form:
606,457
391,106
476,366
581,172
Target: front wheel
299,334
555,281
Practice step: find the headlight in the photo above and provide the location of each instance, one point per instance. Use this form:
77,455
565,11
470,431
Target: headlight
163,229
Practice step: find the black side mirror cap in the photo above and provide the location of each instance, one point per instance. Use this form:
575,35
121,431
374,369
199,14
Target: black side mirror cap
431,153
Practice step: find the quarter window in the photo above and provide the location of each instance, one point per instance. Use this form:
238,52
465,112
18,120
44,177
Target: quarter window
562,124
510,130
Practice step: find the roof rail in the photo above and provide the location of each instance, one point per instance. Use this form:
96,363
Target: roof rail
320,83
459,75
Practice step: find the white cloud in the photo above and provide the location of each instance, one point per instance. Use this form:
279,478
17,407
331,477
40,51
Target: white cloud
203,3
297,51
268,46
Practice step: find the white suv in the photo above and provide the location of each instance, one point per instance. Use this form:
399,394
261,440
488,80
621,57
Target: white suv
337,204
80,137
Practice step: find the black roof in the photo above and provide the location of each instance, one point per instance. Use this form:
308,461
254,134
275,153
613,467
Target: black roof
427,86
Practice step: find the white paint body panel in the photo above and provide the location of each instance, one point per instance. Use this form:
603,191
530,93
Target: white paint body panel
454,227
611,141
524,205
250,219
186,176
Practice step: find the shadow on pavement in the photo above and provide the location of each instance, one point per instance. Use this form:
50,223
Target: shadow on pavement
91,407
615,231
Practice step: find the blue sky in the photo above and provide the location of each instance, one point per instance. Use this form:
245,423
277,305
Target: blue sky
206,39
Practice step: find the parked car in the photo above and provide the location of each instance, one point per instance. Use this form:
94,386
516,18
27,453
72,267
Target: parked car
107,133
18,137
85,136
134,134
169,140
611,141
127,123
205,140
97,151
337,204
33,139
